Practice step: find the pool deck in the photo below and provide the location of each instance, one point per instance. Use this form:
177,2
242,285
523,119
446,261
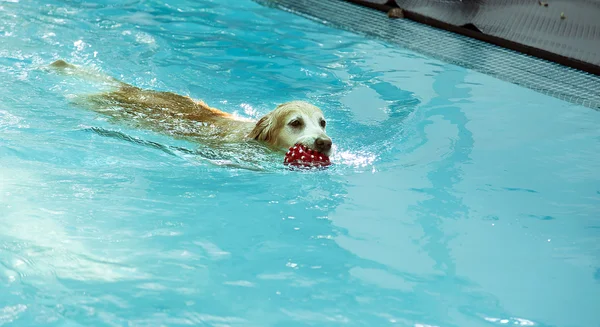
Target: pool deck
553,49
565,32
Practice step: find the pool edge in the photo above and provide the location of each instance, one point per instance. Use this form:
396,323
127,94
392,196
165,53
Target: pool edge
538,74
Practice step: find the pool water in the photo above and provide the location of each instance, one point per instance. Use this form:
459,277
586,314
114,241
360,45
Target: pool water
455,199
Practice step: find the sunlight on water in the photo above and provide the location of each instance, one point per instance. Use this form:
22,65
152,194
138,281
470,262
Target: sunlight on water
511,321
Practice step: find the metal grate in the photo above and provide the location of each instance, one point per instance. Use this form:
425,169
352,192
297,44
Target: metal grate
542,76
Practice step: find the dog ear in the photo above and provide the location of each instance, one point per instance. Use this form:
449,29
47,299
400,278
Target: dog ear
263,129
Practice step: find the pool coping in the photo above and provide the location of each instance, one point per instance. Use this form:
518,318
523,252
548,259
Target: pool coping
472,31
521,68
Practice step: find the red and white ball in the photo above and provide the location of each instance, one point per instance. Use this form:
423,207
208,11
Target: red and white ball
302,157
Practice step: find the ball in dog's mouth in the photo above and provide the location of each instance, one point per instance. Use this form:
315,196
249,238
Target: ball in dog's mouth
302,157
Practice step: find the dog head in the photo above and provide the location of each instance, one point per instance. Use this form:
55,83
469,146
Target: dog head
292,123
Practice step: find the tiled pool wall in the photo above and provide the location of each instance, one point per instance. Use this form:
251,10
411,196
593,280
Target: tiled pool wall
543,76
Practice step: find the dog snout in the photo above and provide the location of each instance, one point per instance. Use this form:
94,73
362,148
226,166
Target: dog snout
323,144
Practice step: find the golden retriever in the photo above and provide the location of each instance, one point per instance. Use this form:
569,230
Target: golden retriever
291,123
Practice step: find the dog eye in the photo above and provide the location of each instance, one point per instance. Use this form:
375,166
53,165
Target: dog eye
323,123
295,123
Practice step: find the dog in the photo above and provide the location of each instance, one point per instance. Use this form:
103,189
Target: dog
290,123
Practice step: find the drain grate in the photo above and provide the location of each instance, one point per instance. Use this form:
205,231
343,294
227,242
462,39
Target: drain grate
543,76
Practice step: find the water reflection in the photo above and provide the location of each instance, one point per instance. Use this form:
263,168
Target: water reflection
395,219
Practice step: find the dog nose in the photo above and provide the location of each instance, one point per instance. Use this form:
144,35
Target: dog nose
323,144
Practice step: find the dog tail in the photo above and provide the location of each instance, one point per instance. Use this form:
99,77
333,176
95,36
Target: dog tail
63,67
61,64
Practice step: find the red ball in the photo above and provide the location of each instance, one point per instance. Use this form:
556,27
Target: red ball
302,157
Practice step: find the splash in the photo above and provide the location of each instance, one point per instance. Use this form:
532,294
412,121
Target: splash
358,158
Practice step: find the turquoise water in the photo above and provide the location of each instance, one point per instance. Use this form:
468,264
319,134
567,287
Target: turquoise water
455,199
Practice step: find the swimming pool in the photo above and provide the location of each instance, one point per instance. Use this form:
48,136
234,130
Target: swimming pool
456,199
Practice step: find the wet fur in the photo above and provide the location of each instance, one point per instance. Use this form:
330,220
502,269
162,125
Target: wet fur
183,117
